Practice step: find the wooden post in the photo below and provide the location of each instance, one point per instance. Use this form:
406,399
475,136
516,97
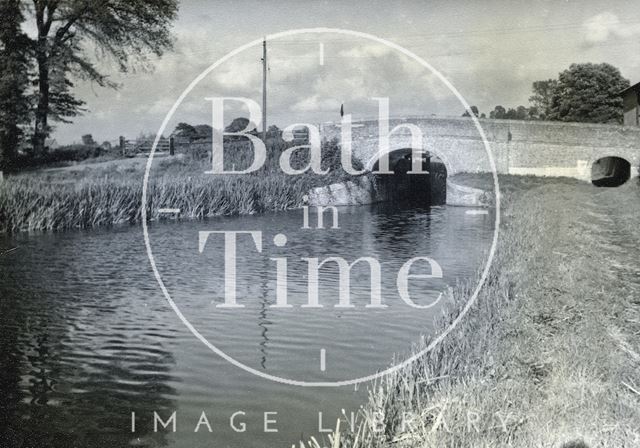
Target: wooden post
264,90
122,146
172,148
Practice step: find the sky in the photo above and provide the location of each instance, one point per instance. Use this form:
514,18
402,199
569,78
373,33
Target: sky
490,51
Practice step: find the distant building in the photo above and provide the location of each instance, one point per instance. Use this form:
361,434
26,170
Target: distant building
631,97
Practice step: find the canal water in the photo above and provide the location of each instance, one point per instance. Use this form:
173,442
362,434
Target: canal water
87,337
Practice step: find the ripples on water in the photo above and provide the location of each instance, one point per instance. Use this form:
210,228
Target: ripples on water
87,338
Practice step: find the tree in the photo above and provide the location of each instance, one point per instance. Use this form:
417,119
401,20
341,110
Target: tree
510,114
186,131
588,93
274,131
14,80
239,124
542,95
498,113
62,104
519,113
475,111
126,31
204,131
87,140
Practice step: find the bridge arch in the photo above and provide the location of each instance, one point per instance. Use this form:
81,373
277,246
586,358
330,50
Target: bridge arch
610,171
372,162
428,189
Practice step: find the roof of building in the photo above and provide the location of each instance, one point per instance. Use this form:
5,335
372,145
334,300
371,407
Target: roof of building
635,87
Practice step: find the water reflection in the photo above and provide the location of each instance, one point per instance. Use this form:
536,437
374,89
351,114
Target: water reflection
86,337
263,321
77,355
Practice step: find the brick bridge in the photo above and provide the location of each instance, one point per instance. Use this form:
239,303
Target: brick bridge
518,147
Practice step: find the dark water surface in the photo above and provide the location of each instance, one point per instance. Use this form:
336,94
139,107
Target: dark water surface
87,337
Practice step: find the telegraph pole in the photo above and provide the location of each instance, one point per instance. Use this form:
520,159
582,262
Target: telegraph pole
264,90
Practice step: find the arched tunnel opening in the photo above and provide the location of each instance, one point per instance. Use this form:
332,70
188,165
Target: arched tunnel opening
412,188
610,172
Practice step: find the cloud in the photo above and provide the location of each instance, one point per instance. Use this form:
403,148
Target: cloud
238,74
303,89
607,25
316,103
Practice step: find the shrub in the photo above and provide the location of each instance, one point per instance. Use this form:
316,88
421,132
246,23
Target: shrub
70,153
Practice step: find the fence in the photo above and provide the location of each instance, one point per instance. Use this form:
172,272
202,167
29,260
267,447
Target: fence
144,146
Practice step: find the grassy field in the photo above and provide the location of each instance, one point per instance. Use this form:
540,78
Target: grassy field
100,194
549,356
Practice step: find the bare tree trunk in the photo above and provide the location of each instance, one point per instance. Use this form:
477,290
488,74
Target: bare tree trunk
9,130
9,139
42,111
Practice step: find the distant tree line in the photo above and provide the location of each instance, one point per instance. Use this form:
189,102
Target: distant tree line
587,93
191,133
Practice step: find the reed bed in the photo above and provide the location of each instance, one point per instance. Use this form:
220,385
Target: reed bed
29,204
111,193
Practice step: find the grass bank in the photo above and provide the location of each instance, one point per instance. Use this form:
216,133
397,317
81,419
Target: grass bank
109,193
549,354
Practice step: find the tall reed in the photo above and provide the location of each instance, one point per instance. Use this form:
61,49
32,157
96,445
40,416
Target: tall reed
110,195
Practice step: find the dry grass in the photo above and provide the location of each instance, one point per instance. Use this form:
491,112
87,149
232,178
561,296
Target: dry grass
549,355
